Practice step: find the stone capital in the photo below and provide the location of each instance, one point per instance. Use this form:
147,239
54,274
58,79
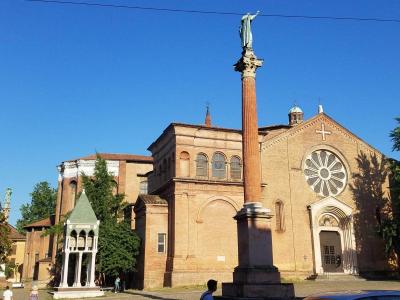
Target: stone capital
248,63
253,210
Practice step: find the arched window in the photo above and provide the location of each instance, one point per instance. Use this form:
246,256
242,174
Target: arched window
279,216
160,170
173,167
90,240
378,213
184,164
143,187
114,187
218,166
72,192
72,240
81,240
201,165
164,169
236,168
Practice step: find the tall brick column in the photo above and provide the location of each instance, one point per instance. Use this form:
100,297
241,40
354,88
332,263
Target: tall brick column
255,276
251,155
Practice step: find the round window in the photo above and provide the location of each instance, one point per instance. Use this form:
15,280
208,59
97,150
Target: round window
325,173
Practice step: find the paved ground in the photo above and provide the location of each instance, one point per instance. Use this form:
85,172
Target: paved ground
302,289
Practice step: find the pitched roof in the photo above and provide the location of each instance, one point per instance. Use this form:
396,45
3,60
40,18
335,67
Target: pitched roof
152,199
117,156
41,223
14,234
298,128
83,211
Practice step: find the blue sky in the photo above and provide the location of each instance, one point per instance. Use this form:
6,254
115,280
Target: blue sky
76,79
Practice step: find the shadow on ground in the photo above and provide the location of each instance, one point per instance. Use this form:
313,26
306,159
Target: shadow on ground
150,296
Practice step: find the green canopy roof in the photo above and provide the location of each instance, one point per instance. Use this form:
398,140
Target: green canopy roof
83,212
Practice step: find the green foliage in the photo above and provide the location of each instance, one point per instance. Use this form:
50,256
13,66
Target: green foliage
5,242
395,135
118,248
118,244
389,231
10,269
390,227
99,190
42,205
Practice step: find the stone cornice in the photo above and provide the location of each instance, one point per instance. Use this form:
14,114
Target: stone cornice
207,181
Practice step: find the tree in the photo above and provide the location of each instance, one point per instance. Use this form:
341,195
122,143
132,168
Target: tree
118,248
5,242
99,190
42,205
395,135
390,227
118,244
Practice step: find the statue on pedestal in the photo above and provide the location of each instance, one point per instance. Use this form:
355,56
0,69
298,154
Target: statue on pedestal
245,30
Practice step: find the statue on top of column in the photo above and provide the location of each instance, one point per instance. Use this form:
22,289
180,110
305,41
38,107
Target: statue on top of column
245,30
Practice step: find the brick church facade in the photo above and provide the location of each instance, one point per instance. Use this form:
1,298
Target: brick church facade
184,196
322,223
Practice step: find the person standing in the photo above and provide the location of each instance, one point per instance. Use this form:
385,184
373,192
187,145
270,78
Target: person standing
8,294
116,284
34,295
212,287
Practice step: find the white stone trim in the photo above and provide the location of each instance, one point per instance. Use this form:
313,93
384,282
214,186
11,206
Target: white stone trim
345,230
71,169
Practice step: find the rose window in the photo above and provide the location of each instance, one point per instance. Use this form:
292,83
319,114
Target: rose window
325,173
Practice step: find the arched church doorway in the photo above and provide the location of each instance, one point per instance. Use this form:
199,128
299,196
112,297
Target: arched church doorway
331,251
333,237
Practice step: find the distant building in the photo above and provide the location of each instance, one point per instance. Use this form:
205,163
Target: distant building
38,250
130,173
16,255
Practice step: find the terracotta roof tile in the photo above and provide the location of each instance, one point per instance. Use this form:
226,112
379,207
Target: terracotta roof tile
41,223
152,199
14,234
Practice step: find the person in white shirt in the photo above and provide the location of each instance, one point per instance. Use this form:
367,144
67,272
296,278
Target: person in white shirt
212,287
7,294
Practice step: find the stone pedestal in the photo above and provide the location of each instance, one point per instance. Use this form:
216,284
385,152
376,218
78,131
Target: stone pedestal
255,277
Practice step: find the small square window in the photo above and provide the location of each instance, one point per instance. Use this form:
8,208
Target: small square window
161,243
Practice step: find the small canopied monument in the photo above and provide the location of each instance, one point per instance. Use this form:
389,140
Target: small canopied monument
81,231
255,277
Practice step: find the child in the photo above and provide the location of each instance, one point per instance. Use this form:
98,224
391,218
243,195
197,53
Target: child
212,287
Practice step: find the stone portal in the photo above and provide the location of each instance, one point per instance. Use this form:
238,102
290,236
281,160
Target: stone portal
333,237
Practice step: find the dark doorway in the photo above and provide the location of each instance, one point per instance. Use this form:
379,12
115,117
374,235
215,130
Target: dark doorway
331,251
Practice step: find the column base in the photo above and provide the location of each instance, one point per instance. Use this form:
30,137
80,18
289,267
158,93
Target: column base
256,275
77,293
256,291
